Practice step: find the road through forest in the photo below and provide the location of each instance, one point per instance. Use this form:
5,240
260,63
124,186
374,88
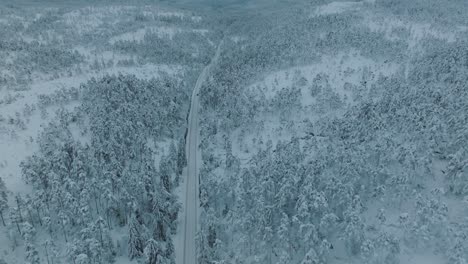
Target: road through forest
185,242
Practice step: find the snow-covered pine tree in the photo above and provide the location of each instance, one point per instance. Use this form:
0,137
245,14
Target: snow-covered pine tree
135,240
32,255
3,201
153,252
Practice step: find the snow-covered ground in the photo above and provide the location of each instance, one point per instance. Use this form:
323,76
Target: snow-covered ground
22,116
159,31
17,144
338,7
344,72
341,68
328,87
414,33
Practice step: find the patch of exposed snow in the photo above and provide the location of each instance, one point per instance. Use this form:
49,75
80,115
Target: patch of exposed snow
161,32
462,28
171,14
422,259
124,260
337,67
416,32
337,8
237,39
196,19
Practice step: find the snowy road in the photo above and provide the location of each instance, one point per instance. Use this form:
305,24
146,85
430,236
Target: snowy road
186,251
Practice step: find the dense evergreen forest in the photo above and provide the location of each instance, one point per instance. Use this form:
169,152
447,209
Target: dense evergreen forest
330,131
317,170
103,157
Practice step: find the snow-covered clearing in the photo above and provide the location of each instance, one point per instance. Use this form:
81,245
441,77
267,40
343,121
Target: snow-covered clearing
161,32
341,69
337,7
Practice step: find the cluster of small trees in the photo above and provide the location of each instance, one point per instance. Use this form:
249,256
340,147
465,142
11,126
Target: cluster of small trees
59,97
103,176
430,11
32,44
29,58
184,47
46,59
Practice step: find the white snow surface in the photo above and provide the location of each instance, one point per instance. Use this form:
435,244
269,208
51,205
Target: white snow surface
337,7
162,32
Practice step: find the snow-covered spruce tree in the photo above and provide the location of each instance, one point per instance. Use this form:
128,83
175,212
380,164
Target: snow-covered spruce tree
3,201
50,251
153,253
135,239
353,233
32,255
207,252
311,257
181,159
15,219
29,233
82,259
